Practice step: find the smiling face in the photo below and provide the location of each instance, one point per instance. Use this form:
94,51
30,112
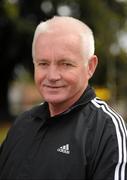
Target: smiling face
60,73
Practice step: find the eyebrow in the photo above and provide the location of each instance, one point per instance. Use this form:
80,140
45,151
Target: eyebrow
40,60
60,60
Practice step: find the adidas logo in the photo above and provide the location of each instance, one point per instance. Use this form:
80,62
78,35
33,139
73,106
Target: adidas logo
64,149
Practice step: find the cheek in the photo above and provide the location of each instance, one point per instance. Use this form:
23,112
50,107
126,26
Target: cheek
38,76
82,78
77,78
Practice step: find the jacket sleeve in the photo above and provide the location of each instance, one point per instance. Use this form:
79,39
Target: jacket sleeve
13,136
4,149
108,154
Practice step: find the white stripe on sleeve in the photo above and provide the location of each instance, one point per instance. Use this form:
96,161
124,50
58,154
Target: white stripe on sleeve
121,133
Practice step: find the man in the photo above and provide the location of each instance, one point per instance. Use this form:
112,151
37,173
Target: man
73,134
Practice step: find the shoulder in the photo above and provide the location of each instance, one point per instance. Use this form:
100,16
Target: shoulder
108,139
29,115
21,131
109,126
98,117
102,125
109,115
24,122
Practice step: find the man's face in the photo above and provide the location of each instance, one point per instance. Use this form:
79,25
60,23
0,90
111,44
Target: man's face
60,74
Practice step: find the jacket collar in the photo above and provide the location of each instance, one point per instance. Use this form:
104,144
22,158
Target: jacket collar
86,97
42,111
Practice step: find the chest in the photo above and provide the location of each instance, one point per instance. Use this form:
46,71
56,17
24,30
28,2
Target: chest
52,152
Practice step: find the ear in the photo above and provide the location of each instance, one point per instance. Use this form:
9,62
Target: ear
92,64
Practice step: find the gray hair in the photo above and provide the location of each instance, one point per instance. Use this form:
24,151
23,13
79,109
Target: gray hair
86,34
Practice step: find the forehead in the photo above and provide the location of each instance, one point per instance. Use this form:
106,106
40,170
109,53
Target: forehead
64,37
62,43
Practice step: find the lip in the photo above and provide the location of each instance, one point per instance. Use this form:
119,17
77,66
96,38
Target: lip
53,87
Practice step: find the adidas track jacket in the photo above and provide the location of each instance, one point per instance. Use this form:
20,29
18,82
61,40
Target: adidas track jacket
87,142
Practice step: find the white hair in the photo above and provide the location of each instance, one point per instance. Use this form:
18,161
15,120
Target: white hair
51,25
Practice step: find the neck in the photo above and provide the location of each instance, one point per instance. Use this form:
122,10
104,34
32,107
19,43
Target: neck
57,108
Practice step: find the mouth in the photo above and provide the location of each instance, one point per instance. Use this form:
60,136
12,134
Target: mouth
53,87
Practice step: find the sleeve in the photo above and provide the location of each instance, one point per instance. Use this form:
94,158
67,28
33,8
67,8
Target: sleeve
108,159
3,155
13,136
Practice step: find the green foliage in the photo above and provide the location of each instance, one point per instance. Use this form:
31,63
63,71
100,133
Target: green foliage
12,10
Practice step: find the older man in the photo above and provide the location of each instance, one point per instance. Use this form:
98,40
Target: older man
73,134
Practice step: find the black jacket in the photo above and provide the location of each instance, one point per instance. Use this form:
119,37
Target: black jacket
88,142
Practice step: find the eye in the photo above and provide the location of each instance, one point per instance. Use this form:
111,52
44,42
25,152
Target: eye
42,64
67,64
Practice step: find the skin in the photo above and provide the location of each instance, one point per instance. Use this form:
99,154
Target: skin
60,74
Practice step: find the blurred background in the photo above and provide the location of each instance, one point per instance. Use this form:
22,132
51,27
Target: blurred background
18,20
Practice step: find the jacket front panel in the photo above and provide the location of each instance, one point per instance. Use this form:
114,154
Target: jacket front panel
55,151
80,143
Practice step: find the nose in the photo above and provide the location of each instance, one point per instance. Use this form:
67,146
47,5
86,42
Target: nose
53,73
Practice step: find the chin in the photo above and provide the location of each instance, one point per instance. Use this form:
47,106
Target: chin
55,100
